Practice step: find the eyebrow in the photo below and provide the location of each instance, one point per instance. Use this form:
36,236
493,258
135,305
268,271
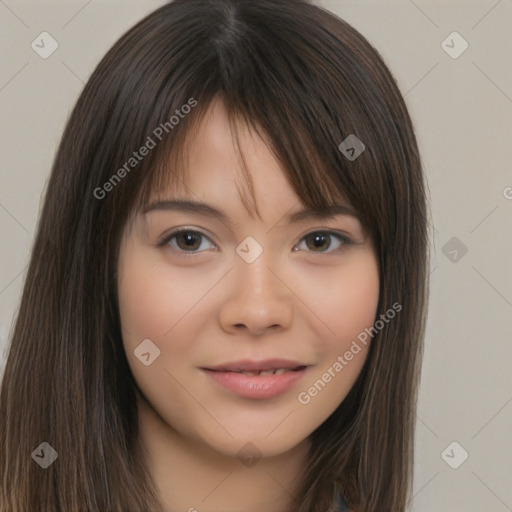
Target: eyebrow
207,210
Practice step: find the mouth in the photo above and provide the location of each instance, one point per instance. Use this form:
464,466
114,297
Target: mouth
257,380
258,367
262,373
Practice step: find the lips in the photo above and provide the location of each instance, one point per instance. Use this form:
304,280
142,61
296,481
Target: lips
270,371
256,367
258,380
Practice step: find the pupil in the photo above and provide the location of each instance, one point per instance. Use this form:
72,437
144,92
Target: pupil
318,239
189,240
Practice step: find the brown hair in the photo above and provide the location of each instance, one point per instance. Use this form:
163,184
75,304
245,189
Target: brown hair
305,80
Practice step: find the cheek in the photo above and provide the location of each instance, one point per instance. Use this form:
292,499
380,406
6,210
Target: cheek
142,303
358,299
156,303
346,308
150,304
344,298
356,310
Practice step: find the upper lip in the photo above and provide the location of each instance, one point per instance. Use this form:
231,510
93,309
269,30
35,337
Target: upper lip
254,366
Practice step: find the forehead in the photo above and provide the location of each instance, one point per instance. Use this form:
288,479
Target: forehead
222,154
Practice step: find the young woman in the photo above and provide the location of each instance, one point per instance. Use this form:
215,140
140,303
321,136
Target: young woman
226,298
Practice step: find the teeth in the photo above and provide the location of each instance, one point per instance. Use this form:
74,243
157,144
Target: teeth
264,373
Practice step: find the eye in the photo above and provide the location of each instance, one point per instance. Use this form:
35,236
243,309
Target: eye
322,239
186,240
189,241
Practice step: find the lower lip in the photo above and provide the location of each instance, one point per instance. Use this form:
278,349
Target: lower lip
257,387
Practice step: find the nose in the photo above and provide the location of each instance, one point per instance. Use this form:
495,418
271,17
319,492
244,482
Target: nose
259,301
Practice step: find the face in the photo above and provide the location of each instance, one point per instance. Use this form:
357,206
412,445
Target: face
244,294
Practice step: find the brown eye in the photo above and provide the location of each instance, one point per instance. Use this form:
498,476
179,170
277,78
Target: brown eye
185,241
321,241
188,240
318,241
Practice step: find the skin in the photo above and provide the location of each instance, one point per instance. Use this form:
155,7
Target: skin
213,307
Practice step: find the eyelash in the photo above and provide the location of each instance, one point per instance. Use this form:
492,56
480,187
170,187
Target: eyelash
187,254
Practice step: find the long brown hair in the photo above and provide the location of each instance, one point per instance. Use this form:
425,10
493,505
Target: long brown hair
304,79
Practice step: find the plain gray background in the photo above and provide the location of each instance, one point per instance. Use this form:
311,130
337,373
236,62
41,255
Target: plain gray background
461,104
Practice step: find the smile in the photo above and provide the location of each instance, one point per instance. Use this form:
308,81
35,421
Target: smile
257,384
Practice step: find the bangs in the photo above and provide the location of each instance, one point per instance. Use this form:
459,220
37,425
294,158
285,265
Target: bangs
291,147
